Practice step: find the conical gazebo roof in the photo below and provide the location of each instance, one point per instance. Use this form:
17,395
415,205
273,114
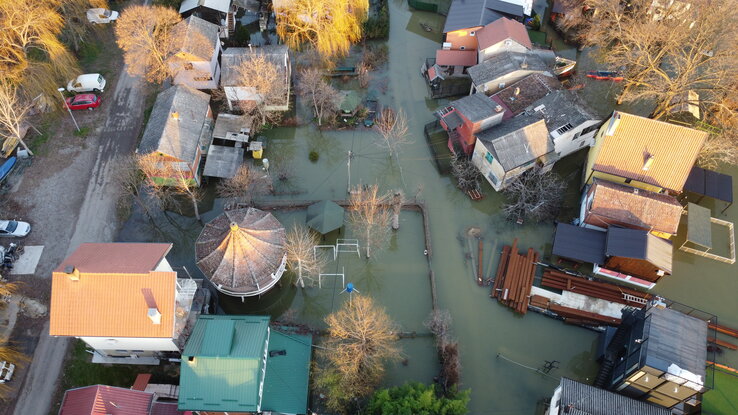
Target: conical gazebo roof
242,252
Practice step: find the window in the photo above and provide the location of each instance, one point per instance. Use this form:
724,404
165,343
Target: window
501,85
489,157
473,33
100,79
462,47
581,143
628,180
492,178
508,42
565,128
578,133
188,66
589,129
203,78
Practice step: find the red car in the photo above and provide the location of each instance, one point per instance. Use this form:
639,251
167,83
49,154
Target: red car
83,102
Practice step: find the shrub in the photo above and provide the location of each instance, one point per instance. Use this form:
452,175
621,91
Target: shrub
313,156
417,398
377,27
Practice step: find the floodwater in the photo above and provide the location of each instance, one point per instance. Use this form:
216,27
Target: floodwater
398,277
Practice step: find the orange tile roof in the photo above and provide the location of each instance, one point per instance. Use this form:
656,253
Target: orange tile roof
116,258
642,210
456,57
502,29
674,150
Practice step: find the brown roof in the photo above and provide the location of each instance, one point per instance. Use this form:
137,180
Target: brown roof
456,57
242,251
530,89
640,208
102,400
116,258
502,29
635,139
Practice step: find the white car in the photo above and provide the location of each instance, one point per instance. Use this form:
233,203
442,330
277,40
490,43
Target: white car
101,15
14,228
90,82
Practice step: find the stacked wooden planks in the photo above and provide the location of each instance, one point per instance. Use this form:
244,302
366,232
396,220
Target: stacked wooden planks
574,316
514,278
597,289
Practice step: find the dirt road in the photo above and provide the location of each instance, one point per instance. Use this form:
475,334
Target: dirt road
96,222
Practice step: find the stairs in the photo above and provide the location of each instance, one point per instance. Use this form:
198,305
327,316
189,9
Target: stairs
608,361
230,23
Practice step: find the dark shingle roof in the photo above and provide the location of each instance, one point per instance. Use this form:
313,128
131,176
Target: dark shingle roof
639,244
580,244
475,107
177,137
473,13
588,400
503,64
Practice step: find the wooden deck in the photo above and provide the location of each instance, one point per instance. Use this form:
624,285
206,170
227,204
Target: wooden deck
514,278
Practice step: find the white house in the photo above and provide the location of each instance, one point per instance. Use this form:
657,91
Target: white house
231,81
502,35
124,300
195,64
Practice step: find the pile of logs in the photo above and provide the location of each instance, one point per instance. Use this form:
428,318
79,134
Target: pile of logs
597,289
514,278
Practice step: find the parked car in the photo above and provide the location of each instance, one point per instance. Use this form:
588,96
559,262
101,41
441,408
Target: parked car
101,15
83,102
14,228
371,114
91,82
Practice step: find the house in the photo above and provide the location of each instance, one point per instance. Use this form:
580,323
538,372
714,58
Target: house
467,116
502,35
103,399
237,93
347,103
624,255
446,74
178,132
195,63
504,152
124,300
607,204
645,153
238,364
658,355
504,69
572,397
455,62
571,123
466,17
219,12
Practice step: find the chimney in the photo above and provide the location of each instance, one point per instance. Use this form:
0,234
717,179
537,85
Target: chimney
175,115
524,64
498,108
517,91
72,272
153,312
648,162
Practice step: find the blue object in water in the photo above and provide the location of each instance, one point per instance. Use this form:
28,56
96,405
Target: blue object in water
7,167
349,287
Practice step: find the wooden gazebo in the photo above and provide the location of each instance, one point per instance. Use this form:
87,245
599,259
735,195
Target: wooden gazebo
242,252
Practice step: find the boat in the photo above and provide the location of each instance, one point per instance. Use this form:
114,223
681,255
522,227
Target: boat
426,27
7,167
605,75
564,68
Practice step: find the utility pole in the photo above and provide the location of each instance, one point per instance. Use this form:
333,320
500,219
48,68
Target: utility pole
348,188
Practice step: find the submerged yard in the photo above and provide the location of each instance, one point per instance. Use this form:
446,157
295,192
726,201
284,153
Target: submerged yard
397,277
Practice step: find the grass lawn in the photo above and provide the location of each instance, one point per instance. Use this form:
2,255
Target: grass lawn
723,400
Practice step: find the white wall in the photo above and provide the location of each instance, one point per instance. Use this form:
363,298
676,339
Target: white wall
131,343
507,45
164,266
493,172
495,85
553,409
566,143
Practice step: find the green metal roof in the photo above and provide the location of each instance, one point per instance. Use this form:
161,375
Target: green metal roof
221,364
325,216
351,100
286,383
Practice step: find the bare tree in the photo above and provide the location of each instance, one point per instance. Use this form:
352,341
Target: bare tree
13,111
398,199
165,177
362,337
148,38
301,257
370,216
534,195
467,174
392,128
364,76
248,183
322,95
439,323
268,82
132,181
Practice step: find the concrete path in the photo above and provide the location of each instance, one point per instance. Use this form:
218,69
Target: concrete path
96,222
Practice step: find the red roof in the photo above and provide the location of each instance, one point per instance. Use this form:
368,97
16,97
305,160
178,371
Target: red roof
105,400
456,57
116,258
502,29
167,408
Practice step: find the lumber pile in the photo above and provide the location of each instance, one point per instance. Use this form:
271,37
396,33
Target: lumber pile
596,289
514,278
580,317
723,329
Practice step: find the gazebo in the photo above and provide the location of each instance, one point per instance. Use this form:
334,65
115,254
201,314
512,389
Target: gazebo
242,252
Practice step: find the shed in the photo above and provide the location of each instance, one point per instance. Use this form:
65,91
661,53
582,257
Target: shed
222,161
579,244
234,128
639,252
242,252
348,102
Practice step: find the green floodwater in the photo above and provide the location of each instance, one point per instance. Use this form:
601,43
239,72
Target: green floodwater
398,276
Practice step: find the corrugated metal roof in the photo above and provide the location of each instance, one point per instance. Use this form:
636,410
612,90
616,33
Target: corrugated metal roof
475,107
223,161
672,148
505,63
177,137
219,378
287,376
580,244
456,57
518,144
229,123
639,244
116,258
220,5
105,400
198,38
637,207
588,400
675,338
502,29
699,225
165,408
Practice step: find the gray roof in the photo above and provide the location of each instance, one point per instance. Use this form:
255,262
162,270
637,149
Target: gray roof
177,137
223,161
579,244
588,400
452,120
229,123
505,63
563,107
517,141
232,58
472,13
675,338
198,37
475,107
639,244
529,90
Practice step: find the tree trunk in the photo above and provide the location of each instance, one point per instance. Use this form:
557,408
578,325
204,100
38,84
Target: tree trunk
23,143
299,273
197,208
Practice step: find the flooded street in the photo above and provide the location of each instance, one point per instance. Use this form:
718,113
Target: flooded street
398,276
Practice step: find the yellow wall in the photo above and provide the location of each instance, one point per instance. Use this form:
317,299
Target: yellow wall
463,37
